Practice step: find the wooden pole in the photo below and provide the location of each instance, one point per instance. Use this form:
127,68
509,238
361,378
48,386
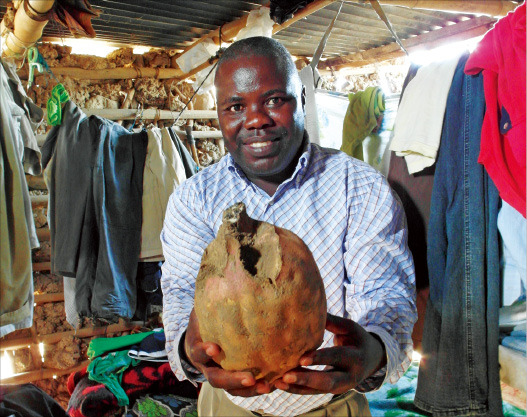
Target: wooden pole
39,201
51,339
40,266
306,11
461,31
486,7
43,373
26,29
43,234
49,298
130,114
36,182
112,73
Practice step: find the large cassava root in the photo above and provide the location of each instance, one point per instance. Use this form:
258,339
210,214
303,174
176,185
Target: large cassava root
259,296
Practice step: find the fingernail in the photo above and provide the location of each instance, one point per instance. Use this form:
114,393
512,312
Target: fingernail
262,389
247,382
306,361
209,351
290,379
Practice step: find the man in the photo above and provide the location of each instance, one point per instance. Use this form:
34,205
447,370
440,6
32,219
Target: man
343,210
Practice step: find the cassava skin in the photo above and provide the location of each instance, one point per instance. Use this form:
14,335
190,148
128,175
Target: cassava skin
259,296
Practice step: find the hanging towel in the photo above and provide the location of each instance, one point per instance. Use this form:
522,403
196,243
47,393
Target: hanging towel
419,121
361,119
501,56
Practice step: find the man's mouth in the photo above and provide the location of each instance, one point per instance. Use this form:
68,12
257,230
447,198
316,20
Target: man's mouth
256,145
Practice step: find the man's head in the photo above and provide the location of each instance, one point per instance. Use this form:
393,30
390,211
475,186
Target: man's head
261,108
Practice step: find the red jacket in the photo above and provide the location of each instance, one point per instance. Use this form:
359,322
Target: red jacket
501,57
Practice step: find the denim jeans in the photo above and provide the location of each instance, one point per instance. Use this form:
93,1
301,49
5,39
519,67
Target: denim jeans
459,372
95,180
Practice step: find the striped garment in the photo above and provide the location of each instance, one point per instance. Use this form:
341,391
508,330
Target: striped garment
349,218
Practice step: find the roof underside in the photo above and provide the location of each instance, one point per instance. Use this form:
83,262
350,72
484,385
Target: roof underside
177,23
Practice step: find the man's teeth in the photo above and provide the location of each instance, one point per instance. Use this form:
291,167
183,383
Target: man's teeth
259,144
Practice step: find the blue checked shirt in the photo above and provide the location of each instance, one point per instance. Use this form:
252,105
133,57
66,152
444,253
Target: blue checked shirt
349,218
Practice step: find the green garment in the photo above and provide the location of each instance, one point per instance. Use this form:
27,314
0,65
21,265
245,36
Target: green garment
361,118
109,371
107,344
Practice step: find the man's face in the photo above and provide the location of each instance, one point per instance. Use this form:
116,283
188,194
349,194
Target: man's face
261,115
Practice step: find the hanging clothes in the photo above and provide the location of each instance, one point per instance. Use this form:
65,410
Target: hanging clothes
364,109
501,57
189,164
94,174
459,373
310,79
163,172
419,120
18,120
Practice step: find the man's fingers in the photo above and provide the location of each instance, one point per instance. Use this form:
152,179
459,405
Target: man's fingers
337,357
339,325
261,387
315,382
228,380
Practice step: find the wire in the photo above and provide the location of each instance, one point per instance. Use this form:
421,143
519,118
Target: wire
195,92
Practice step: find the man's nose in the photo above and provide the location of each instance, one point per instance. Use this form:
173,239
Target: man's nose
256,117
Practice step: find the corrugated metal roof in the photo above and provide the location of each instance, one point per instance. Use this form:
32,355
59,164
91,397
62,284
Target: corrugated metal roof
177,23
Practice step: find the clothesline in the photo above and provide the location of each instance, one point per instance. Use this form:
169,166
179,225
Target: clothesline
131,114
196,134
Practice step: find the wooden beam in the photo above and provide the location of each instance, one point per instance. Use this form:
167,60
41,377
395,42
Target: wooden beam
231,29
112,73
39,201
453,33
43,234
26,29
301,14
486,7
43,373
52,338
148,114
49,298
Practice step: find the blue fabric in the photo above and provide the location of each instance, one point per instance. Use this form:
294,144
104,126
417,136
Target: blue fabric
459,372
516,340
151,348
96,190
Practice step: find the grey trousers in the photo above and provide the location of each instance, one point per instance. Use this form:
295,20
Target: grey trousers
213,402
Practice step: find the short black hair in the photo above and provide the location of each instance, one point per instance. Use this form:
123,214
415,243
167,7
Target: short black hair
261,46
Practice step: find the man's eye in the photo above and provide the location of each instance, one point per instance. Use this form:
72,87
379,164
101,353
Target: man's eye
235,108
275,100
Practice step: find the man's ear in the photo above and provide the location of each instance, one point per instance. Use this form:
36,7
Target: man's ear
303,98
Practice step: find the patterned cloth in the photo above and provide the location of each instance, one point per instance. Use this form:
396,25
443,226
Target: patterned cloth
167,405
347,215
93,399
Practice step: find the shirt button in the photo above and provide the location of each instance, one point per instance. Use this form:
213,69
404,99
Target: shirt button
506,125
270,203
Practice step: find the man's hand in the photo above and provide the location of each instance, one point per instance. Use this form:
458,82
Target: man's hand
203,356
356,356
